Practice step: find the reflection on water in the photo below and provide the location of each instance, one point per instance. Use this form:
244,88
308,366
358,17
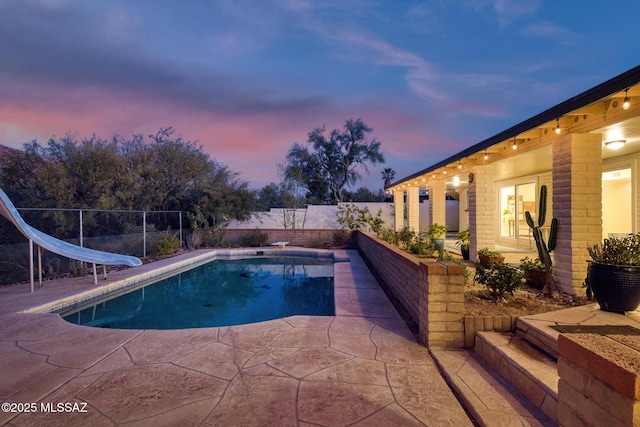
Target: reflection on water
221,293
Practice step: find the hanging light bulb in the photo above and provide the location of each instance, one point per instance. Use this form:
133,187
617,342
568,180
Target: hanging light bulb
486,155
445,171
558,126
459,165
626,103
514,146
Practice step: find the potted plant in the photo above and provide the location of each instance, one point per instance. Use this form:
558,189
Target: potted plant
613,274
463,242
486,257
534,271
436,233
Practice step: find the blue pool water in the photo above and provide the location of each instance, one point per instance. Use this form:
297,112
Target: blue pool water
221,293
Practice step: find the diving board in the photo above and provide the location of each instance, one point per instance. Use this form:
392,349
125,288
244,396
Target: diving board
60,247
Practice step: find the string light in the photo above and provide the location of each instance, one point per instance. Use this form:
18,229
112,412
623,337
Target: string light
558,126
459,165
486,155
514,146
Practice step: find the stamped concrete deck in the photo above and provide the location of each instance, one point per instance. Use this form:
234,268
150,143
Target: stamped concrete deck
361,367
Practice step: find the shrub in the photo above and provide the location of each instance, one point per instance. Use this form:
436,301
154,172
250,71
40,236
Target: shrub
422,247
168,243
352,217
255,238
194,240
528,264
405,237
499,279
389,236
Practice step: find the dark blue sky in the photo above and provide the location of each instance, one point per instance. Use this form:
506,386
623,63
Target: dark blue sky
247,79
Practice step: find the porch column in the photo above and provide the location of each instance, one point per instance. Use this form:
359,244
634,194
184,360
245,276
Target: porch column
413,209
437,203
463,209
398,205
577,204
482,210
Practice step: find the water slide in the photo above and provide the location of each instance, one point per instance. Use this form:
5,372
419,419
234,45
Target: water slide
60,247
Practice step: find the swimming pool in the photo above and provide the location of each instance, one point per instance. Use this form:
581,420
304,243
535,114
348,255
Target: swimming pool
223,292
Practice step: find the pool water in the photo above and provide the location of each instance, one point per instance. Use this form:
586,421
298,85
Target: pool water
220,293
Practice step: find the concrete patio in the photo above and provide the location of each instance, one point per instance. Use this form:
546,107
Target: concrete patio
360,367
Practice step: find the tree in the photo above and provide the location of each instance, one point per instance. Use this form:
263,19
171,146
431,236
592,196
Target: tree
335,160
388,174
363,194
164,173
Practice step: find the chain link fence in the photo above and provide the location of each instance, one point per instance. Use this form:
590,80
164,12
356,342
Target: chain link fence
125,232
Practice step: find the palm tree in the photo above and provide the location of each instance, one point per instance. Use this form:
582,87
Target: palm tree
388,174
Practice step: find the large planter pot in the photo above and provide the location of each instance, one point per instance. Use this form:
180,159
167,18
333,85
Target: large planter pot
438,243
487,260
536,278
616,288
465,253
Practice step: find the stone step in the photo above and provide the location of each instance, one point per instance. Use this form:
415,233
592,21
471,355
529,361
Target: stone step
488,398
531,371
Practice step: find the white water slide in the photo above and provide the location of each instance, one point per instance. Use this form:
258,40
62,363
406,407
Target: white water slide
60,247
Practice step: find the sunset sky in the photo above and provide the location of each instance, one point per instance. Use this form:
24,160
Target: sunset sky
247,79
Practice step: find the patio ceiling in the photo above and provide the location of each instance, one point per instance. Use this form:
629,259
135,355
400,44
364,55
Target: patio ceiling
598,110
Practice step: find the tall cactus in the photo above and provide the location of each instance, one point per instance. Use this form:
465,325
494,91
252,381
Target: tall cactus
544,248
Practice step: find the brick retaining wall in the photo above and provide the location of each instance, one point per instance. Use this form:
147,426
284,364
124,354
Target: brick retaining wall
431,292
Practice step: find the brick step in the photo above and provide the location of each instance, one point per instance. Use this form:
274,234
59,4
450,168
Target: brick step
488,398
538,330
532,372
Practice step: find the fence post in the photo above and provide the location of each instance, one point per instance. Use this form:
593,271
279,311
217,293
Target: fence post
180,216
144,234
81,232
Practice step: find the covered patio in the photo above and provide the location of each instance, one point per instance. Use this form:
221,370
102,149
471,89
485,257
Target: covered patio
584,150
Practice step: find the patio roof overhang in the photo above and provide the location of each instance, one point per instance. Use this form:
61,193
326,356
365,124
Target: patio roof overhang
597,100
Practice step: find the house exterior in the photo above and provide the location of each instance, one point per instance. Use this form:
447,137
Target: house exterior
586,150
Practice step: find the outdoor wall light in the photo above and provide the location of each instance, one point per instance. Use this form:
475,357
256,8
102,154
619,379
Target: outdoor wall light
558,126
626,103
615,145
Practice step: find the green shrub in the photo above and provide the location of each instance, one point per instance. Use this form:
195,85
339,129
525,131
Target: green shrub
168,243
499,280
255,238
389,236
422,247
405,237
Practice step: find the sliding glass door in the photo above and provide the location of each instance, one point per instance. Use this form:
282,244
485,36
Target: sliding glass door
515,200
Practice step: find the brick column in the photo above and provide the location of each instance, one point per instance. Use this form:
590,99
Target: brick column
577,203
437,202
413,207
441,305
463,210
482,210
398,205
